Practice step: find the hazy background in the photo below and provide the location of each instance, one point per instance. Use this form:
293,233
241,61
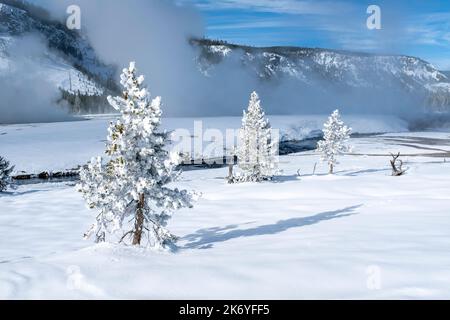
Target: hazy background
154,33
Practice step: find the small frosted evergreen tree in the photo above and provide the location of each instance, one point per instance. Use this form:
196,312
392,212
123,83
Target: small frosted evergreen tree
255,150
336,135
129,188
5,172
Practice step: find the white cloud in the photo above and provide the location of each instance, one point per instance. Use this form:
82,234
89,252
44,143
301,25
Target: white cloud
296,7
431,29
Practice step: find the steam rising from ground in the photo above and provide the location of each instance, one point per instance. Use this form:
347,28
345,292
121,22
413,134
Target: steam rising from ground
155,34
26,96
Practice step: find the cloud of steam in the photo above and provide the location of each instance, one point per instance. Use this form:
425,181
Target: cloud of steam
154,33
26,96
151,32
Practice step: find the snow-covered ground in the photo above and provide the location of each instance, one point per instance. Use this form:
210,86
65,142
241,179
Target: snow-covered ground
34,148
358,234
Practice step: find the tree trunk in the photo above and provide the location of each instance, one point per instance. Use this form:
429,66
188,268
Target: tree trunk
139,221
230,171
331,168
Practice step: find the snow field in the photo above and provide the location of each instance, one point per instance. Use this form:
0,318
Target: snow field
358,234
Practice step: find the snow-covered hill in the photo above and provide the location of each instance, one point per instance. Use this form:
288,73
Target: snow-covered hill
333,69
69,61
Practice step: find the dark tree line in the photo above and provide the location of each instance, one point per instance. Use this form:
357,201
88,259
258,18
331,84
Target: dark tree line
85,104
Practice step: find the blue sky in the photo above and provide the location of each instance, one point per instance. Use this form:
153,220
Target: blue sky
415,27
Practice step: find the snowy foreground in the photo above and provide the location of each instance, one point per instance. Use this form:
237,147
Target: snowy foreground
359,234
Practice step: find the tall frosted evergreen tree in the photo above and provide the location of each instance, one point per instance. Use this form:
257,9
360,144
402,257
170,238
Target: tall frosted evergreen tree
256,151
129,187
336,136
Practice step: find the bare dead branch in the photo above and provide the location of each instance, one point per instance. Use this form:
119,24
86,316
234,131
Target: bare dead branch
125,235
397,165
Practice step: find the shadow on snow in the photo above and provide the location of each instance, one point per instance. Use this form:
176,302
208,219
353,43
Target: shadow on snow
206,238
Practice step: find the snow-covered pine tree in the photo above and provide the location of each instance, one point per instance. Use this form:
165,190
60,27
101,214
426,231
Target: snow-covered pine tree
5,171
336,135
255,149
129,188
